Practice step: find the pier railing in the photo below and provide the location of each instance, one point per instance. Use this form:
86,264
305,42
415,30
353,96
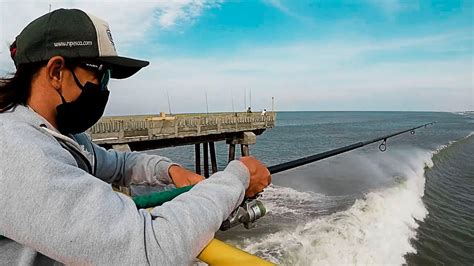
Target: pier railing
127,129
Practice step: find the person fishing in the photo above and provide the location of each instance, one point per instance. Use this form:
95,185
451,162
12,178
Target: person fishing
56,200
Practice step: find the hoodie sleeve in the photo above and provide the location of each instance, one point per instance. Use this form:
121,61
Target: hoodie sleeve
125,168
52,206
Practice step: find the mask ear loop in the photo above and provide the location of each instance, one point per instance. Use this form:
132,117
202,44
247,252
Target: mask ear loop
62,98
78,83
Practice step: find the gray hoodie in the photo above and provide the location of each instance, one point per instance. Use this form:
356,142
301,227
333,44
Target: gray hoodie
55,208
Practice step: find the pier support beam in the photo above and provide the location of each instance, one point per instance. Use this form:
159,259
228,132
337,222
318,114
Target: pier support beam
206,159
247,138
197,156
244,149
231,152
206,148
212,149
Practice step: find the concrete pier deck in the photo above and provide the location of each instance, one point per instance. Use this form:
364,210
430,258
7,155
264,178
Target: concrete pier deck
145,132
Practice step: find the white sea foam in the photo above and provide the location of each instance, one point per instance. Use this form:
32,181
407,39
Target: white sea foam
375,230
463,113
451,142
469,135
279,200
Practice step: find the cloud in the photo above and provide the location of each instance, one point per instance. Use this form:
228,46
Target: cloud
391,8
130,21
343,73
278,4
337,75
184,11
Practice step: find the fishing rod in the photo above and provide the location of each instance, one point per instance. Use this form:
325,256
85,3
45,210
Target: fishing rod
323,155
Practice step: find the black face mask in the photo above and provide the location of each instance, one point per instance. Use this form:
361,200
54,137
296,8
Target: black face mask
79,115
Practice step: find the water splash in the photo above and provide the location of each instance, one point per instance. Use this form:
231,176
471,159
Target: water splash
375,229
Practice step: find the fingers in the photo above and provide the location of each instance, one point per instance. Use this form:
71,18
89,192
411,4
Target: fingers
268,177
182,177
260,177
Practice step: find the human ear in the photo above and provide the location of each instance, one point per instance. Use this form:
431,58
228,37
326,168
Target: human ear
55,69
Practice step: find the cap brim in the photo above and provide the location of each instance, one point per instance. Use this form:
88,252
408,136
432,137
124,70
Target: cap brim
123,67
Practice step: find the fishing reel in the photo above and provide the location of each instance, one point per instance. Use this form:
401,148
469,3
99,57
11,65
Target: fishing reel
247,213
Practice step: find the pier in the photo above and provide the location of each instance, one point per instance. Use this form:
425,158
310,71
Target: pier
145,132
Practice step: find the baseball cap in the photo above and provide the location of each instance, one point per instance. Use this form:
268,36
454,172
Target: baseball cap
72,33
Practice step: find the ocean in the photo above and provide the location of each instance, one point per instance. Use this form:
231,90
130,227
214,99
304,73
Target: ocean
412,204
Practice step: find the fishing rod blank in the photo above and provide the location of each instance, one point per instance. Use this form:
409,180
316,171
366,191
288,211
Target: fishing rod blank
320,156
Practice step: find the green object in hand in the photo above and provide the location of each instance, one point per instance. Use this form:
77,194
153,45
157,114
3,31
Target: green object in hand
158,198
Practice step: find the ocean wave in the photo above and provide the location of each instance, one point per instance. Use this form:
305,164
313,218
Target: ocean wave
443,147
464,113
375,229
444,234
469,135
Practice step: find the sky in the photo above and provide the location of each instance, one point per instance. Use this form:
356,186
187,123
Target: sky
366,55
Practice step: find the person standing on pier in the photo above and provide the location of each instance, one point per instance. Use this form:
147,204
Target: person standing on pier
55,195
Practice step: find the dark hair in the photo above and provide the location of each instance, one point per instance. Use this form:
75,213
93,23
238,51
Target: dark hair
16,90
